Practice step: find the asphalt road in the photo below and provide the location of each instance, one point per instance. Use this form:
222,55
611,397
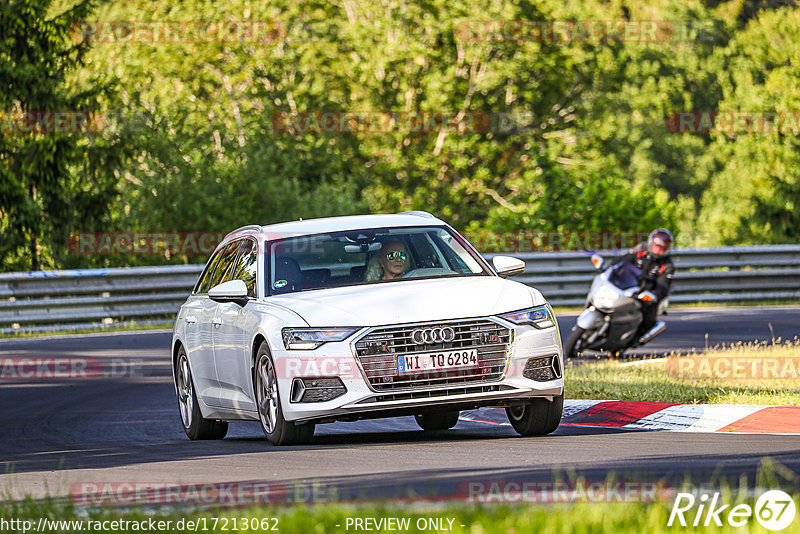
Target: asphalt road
687,328
58,433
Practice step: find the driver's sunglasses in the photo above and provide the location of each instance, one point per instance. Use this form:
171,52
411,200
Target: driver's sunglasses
395,255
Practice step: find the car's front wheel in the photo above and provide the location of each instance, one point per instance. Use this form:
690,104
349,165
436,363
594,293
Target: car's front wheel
265,382
437,420
194,424
537,417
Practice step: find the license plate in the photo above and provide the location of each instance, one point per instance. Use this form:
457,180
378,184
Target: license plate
434,361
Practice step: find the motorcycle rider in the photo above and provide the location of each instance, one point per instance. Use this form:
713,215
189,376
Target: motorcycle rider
653,258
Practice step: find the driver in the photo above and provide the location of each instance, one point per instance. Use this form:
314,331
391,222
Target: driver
393,260
390,263
657,273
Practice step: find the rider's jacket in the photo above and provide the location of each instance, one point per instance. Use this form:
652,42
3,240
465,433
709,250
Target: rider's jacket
657,272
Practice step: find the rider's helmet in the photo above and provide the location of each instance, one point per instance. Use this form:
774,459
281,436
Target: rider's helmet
659,244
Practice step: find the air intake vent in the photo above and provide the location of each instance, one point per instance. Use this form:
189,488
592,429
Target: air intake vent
317,389
542,369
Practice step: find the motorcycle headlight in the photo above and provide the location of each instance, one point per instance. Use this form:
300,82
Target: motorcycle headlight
605,297
540,316
311,338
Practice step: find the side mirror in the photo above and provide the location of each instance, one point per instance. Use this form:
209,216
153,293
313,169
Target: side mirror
507,266
231,291
597,261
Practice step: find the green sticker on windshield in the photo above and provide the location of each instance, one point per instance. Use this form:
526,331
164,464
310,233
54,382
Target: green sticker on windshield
279,283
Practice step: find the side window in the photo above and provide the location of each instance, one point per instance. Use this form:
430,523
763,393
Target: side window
458,257
225,265
246,266
203,284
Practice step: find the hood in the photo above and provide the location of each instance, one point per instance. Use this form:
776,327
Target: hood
409,301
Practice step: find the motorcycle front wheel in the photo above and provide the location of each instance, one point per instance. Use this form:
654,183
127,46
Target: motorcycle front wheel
574,345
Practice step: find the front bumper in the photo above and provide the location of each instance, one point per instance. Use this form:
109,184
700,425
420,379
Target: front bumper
361,400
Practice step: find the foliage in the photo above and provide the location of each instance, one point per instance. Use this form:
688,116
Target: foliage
754,196
575,135
49,181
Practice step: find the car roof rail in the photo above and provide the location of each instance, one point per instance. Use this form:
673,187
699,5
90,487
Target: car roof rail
418,213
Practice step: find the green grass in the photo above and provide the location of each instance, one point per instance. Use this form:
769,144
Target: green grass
590,513
658,380
128,326
586,518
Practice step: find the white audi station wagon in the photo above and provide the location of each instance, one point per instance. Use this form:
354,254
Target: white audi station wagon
338,319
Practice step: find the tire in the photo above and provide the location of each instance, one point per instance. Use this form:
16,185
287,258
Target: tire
194,424
571,347
278,430
538,417
437,420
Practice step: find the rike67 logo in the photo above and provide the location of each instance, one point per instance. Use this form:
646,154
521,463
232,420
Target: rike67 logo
774,510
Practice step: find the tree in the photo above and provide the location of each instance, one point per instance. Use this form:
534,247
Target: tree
753,198
51,174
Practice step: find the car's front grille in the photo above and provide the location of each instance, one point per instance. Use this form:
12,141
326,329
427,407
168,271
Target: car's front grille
379,348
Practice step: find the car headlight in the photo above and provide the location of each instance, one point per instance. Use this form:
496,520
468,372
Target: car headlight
311,338
605,297
540,316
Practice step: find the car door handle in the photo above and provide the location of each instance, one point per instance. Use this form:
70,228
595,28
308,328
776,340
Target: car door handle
217,321
191,319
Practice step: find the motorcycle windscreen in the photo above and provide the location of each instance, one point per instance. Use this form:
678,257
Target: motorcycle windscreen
625,275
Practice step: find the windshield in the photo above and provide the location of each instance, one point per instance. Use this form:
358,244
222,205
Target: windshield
625,275
371,256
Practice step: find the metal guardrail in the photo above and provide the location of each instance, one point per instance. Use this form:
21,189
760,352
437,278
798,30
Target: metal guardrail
81,298
720,274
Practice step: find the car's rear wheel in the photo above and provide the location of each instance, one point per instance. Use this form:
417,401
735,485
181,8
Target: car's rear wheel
194,424
277,429
537,417
437,420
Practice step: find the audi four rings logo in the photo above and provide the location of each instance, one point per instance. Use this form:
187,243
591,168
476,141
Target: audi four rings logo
422,336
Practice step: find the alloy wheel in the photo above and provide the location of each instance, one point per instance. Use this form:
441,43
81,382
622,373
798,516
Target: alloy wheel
267,394
185,394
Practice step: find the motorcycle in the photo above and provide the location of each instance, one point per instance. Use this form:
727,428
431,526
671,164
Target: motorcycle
613,311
